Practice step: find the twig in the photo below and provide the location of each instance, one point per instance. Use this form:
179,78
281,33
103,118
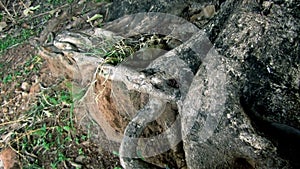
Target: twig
11,122
8,13
52,11
45,13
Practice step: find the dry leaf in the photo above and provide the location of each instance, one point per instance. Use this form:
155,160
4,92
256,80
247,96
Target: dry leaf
30,10
35,88
81,2
96,16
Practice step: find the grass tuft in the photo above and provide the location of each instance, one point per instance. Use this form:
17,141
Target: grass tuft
11,41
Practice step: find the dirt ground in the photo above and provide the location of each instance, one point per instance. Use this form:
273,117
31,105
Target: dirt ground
16,101
25,81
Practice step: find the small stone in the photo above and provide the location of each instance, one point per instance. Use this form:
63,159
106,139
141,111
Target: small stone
209,11
75,164
2,25
25,86
80,159
24,95
4,109
267,4
81,2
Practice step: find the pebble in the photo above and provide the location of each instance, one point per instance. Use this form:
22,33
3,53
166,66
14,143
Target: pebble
80,159
4,109
25,86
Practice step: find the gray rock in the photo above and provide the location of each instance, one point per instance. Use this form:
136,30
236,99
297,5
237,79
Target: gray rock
253,94
120,8
262,44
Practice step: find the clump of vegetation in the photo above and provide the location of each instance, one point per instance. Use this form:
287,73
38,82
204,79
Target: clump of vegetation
57,2
115,53
118,52
47,128
10,40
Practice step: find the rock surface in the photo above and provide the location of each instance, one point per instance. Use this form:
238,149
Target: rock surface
240,109
259,41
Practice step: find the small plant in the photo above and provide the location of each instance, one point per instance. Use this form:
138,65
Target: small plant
118,53
32,65
57,2
113,53
10,41
102,1
7,79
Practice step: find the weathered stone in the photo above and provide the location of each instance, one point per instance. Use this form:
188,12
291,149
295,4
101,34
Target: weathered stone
120,8
263,53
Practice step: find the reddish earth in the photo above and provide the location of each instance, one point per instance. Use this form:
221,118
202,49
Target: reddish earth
8,159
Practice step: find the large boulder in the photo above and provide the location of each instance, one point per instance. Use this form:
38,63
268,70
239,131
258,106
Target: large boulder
259,46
